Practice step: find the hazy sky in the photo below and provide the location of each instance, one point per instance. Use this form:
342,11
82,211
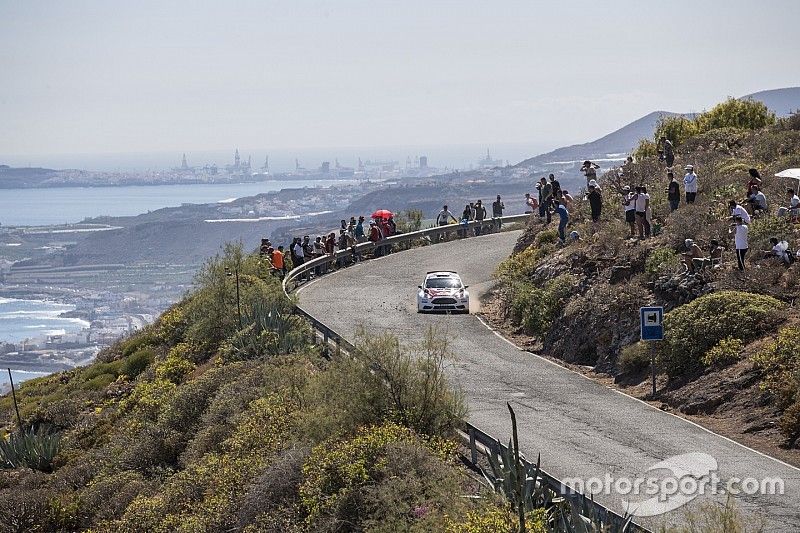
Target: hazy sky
122,76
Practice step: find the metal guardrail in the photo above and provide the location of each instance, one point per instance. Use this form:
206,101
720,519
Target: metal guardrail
332,340
484,444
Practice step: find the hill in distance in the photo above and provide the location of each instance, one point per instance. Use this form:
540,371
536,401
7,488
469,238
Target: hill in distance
782,102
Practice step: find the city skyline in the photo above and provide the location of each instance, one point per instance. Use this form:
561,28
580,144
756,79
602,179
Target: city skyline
100,78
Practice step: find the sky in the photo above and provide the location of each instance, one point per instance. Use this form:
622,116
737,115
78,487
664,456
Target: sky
98,77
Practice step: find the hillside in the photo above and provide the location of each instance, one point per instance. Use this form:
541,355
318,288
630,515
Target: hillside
729,333
621,141
782,102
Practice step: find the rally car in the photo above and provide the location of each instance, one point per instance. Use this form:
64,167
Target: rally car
442,291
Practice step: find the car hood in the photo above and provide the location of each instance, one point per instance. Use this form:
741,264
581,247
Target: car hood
443,292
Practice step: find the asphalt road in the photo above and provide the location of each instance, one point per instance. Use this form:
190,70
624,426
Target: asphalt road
582,429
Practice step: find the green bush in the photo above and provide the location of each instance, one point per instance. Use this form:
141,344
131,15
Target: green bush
661,261
634,357
137,362
535,308
174,368
726,351
780,362
30,448
692,329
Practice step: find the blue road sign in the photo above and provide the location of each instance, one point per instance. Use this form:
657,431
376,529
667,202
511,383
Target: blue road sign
652,323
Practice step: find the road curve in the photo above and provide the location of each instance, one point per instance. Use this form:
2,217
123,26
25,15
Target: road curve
581,428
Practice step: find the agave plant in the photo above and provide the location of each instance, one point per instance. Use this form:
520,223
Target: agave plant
30,448
271,329
524,487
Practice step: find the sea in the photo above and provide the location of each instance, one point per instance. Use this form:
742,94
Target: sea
28,319
19,376
60,205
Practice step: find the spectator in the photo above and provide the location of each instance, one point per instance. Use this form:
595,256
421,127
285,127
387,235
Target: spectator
740,240
738,211
793,205
547,200
563,220
263,249
758,202
540,203
755,181
642,204
673,192
531,202
555,187
480,216
342,244
714,260
279,261
392,225
566,198
497,212
298,255
343,224
666,152
444,217
629,205
690,184
595,202
318,251
692,252
375,237
589,170
780,249
359,231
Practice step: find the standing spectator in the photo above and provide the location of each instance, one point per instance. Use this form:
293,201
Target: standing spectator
279,261
629,205
531,202
298,256
375,237
595,202
738,211
566,198
690,184
563,220
589,170
547,202
642,203
480,215
755,181
318,251
497,212
673,192
444,217
555,187
359,231
540,203
740,240
666,151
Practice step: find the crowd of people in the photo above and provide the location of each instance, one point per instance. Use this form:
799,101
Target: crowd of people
638,212
380,227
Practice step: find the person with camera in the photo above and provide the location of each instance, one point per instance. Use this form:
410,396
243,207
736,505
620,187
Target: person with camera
589,170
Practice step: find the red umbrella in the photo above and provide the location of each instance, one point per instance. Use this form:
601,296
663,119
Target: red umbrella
382,213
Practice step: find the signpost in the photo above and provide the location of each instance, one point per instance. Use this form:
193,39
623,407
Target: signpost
651,326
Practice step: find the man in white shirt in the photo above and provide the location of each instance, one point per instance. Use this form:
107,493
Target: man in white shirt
738,211
740,240
780,249
690,184
444,217
642,204
629,206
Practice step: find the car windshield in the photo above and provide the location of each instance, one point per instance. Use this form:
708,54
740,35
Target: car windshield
443,283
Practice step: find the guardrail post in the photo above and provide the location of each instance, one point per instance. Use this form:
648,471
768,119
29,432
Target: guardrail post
472,447
338,347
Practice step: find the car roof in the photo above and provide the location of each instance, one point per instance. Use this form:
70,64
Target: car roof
442,274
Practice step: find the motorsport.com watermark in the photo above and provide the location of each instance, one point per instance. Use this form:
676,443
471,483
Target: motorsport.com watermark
673,482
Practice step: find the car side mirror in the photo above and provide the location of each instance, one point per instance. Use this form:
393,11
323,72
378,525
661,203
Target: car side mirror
466,286
419,286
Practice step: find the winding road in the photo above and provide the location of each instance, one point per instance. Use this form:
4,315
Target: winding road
581,428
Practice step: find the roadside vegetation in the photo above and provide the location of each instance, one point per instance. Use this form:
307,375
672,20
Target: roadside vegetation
731,337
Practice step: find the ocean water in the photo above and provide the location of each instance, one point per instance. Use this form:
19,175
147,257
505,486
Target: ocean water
19,376
59,205
27,319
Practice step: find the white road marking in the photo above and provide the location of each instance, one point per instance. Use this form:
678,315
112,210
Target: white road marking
493,330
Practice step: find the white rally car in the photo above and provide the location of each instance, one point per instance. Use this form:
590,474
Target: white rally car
443,291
